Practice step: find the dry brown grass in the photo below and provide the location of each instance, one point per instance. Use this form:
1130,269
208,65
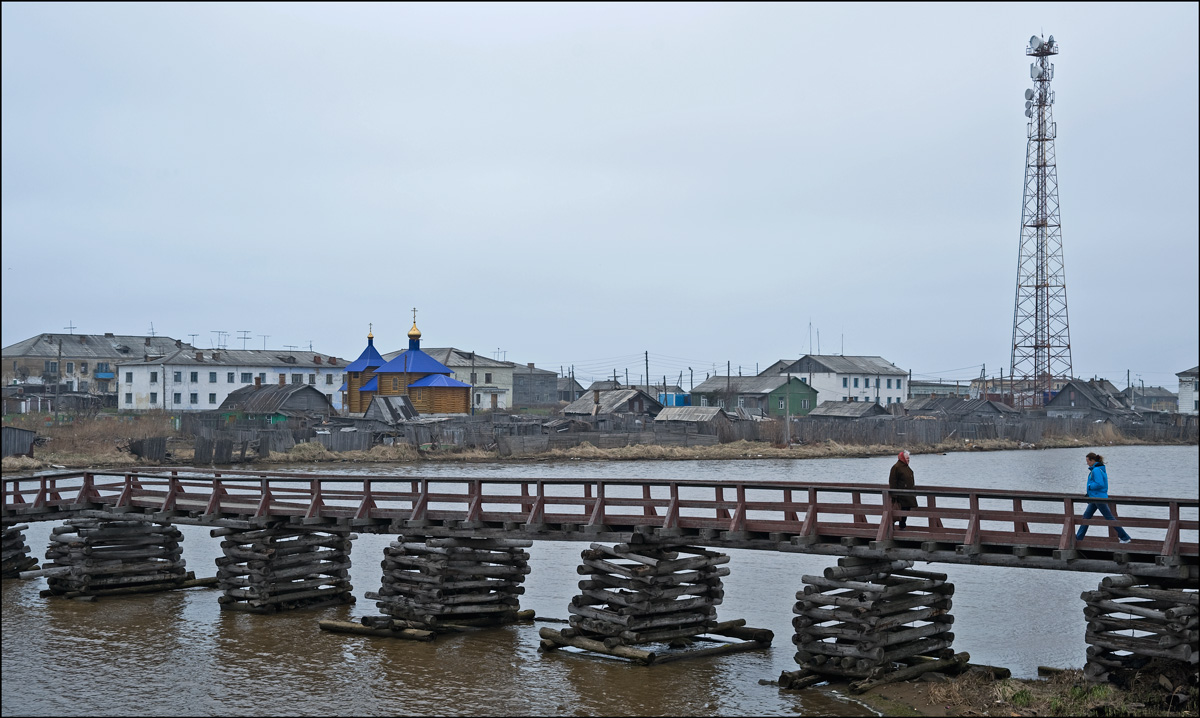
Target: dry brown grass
13,464
94,441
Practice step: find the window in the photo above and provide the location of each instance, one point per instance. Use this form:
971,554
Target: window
804,403
212,377
51,367
193,398
194,377
297,378
889,398
128,377
897,383
741,401
312,378
328,379
262,377
395,383
845,382
153,377
83,367
781,404
102,367
721,403
177,377
128,398
70,367
177,398
154,397
353,375
473,379
212,398
247,378
855,382
889,383
703,400
487,377
478,397
229,377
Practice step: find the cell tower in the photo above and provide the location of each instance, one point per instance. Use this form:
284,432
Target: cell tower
1041,347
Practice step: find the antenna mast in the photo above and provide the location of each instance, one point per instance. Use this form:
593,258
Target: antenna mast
1041,346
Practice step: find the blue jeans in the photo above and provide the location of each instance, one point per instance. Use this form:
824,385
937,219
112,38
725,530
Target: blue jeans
1106,513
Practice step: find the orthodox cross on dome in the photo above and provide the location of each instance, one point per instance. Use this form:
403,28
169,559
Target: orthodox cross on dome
370,330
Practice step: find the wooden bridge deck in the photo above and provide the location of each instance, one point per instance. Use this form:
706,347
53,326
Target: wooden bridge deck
953,525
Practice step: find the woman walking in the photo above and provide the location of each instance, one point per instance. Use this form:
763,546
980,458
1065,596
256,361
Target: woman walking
1097,488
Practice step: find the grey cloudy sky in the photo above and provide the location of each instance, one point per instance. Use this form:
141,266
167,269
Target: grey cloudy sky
579,184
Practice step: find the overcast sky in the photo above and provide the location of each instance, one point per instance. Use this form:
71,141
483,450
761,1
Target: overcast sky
577,185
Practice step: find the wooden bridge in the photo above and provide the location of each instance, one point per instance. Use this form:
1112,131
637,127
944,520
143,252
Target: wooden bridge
953,525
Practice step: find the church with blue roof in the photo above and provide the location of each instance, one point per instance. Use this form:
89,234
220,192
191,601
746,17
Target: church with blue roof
412,373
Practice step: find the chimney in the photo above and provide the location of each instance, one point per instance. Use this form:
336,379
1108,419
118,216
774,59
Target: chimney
199,356
282,381
216,355
530,365
147,341
316,358
332,360
108,334
258,382
178,344
595,396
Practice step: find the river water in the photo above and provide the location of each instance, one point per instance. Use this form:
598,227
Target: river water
178,654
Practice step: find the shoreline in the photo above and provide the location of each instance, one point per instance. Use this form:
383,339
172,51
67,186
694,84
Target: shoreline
311,453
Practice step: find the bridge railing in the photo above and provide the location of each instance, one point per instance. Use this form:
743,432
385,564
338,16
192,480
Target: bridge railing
801,512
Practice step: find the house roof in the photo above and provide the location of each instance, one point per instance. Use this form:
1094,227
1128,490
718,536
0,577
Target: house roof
1194,371
439,380
372,385
276,359
954,407
391,409
368,359
413,361
1091,394
1149,392
654,389
743,384
270,399
605,385
849,409
610,402
99,346
778,367
566,383
690,413
838,364
456,358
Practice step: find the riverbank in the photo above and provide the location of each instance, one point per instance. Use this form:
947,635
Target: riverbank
1157,690
86,452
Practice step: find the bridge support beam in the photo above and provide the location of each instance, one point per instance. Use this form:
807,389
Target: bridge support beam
283,567
472,581
1163,613
97,557
863,617
16,552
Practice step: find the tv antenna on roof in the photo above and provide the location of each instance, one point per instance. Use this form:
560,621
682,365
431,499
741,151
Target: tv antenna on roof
70,326
289,346
264,337
245,336
193,336
310,344
221,334
152,329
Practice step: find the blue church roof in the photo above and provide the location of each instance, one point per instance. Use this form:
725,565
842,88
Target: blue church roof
372,385
438,380
368,359
413,361
343,387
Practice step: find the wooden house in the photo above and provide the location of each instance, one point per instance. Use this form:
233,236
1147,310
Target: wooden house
777,395
848,410
616,401
424,380
296,404
360,383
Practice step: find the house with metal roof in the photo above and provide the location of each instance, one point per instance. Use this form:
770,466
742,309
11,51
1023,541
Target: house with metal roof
852,378
84,363
778,395
278,403
424,380
1189,401
615,401
1086,400
710,420
1149,398
568,389
190,380
848,410
958,408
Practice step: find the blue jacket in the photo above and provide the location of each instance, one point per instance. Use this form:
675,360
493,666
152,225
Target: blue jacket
1097,485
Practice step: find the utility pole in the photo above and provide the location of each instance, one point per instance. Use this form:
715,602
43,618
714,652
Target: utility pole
57,383
787,403
647,369
691,379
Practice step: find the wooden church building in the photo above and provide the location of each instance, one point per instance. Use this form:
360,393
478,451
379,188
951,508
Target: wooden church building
413,373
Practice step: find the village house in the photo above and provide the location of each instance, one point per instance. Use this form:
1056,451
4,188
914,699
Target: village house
938,389
189,380
667,394
710,420
958,408
777,395
84,363
1150,398
848,410
615,401
298,405
1189,402
568,389
1078,399
426,382
852,378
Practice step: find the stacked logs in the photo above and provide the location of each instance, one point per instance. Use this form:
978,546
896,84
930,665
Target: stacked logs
466,581
1132,620
862,617
97,557
16,552
283,567
646,594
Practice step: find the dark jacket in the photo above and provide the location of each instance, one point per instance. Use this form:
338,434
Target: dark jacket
902,478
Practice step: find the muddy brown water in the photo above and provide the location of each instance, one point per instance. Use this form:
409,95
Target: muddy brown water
178,654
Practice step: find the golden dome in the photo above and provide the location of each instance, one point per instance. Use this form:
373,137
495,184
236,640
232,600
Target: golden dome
414,333
370,331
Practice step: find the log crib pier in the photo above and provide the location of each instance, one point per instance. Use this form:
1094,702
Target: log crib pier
652,572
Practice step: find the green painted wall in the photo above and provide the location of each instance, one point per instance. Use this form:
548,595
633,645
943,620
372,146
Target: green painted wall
799,392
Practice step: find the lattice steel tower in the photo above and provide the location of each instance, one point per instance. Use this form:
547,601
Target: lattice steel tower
1041,346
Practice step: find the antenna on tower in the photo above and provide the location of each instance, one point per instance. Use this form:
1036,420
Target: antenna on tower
1041,345
245,336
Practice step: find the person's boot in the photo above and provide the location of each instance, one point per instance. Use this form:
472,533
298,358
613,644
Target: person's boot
903,521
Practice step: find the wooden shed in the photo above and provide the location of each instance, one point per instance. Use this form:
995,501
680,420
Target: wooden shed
18,442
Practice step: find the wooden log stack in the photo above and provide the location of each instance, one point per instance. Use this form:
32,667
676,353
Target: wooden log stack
16,552
96,557
862,618
465,581
646,594
1132,620
283,567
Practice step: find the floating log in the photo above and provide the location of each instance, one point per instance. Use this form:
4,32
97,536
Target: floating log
408,634
587,644
913,671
